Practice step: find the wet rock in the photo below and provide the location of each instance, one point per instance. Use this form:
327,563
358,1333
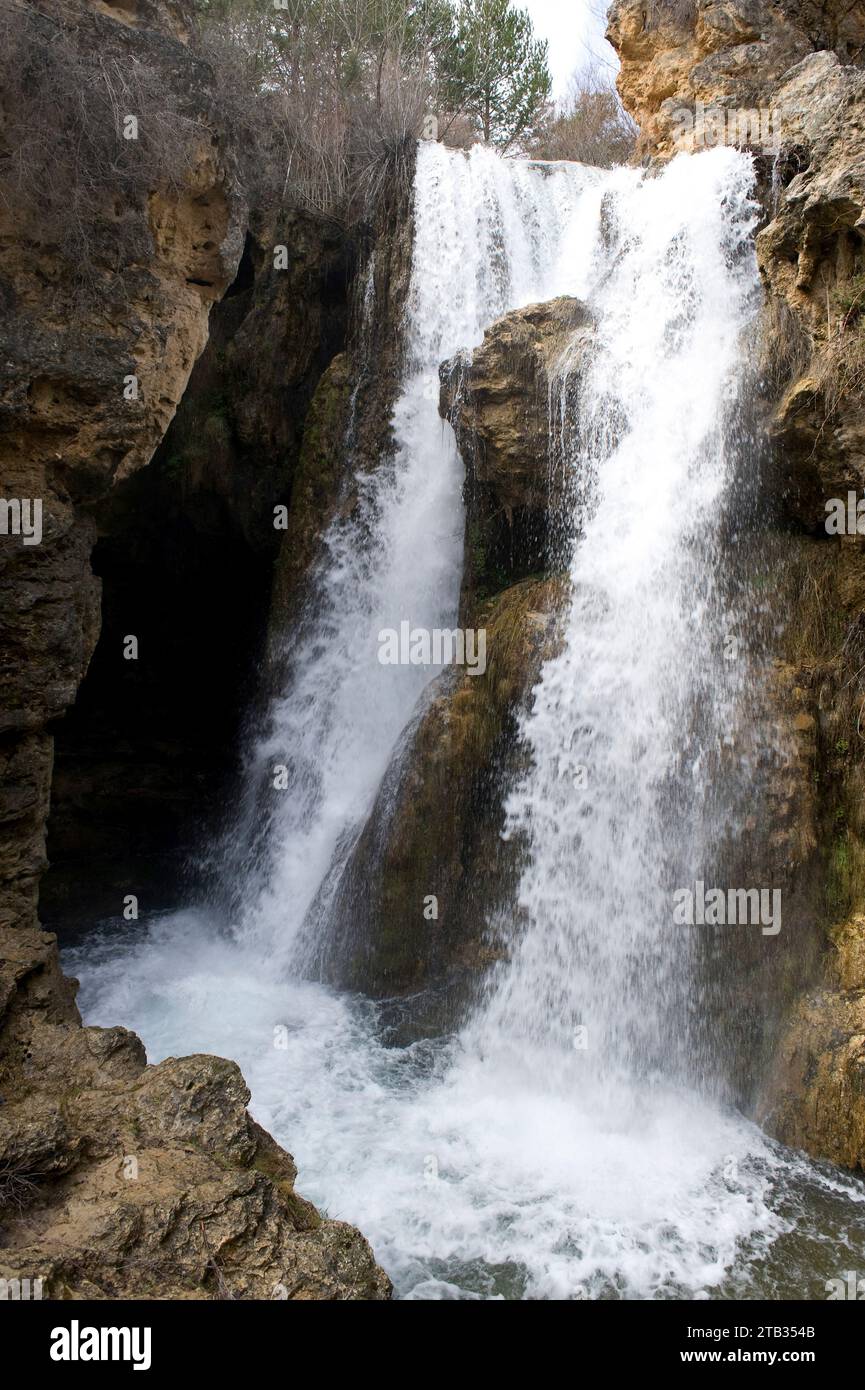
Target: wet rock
499,400
815,1095
430,871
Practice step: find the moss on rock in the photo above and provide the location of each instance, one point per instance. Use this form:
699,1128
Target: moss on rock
435,828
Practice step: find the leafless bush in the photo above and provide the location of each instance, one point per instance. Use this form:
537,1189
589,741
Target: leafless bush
381,141
840,372
784,348
839,362
590,126
325,97
18,1186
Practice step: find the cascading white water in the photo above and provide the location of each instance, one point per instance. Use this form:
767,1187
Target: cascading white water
487,238
676,280
508,1162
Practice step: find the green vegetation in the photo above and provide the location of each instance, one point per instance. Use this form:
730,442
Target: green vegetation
494,71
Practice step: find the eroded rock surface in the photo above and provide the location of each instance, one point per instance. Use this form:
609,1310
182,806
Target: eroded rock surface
815,1095
117,1179
499,400
435,828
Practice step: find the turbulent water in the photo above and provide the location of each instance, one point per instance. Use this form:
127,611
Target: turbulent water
559,1146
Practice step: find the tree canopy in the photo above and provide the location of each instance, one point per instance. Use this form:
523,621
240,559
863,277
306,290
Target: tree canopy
495,71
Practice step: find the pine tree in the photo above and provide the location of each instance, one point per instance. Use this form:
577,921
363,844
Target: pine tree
495,70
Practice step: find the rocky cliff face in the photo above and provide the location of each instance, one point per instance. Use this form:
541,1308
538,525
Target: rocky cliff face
118,1179
730,56
798,67
185,550
86,398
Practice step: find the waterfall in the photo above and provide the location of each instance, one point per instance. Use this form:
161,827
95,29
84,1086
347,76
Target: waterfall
607,807
488,237
558,1147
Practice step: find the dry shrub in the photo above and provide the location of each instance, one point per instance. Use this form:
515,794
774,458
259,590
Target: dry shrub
784,348
590,126
19,1185
679,14
839,367
324,98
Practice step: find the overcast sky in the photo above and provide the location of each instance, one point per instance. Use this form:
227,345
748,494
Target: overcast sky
575,29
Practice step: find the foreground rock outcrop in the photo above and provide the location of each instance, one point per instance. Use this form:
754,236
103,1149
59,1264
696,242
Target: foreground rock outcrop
119,1180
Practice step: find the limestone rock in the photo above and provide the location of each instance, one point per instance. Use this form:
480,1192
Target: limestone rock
498,400
68,432
727,54
117,1180
815,1095
153,1182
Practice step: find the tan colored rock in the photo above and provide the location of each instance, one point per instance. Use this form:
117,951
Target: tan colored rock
815,1095
153,1182
498,400
726,54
